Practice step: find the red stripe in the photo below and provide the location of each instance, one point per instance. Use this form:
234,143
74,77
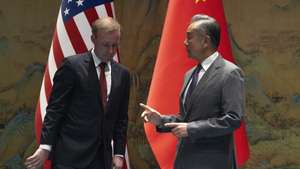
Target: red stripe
48,164
91,15
47,83
57,51
108,9
75,37
38,127
125,164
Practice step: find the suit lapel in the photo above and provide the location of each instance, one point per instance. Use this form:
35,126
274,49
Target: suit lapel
93,77
210,73
114,82
186,81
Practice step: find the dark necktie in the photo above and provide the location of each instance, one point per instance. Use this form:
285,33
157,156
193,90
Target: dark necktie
103,85
193,84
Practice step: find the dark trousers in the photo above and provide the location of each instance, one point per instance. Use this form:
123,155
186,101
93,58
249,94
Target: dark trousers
97,163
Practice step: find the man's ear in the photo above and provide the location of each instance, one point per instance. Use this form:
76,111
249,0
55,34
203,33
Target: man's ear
207,41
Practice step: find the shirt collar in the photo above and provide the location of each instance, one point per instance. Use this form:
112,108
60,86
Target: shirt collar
96,59
209,60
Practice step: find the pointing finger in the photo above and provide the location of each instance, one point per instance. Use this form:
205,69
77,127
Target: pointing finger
171,124
146,107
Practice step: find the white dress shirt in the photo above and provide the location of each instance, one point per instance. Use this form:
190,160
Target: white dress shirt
97,62
205,65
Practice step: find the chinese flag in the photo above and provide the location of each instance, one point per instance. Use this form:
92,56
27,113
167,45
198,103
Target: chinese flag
172,63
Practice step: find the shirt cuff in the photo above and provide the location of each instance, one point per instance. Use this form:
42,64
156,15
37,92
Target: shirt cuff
119,155
45,147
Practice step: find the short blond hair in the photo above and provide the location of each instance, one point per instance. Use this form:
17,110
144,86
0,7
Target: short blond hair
105,24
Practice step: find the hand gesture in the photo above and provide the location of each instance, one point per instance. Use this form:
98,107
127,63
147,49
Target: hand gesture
117,162
150,115
178,129
37,160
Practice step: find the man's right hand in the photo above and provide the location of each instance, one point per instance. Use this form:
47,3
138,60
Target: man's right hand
150,115
37,160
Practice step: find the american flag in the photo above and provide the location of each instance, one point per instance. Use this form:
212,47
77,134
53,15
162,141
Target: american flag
72,35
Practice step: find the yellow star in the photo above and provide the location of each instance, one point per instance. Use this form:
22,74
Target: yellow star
199,1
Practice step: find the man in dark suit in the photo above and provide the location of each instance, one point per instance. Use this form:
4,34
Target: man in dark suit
211,103
87,108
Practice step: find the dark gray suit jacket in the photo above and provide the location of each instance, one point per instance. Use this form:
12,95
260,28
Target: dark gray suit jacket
215,110
76,124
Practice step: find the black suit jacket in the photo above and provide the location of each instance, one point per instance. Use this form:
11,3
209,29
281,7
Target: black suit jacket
75,123
214,112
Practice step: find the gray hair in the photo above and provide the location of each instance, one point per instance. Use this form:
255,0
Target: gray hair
209,26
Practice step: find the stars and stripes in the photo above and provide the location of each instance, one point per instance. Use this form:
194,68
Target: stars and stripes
72,35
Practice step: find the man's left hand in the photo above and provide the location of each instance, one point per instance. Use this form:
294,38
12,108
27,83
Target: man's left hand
118,162
179,129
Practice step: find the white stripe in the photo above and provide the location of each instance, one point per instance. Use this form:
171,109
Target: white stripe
127,158
84,28
113,9
63,37
52,67
43,100
101,11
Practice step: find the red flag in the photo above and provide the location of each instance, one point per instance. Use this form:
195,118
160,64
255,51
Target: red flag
172,63
72,35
